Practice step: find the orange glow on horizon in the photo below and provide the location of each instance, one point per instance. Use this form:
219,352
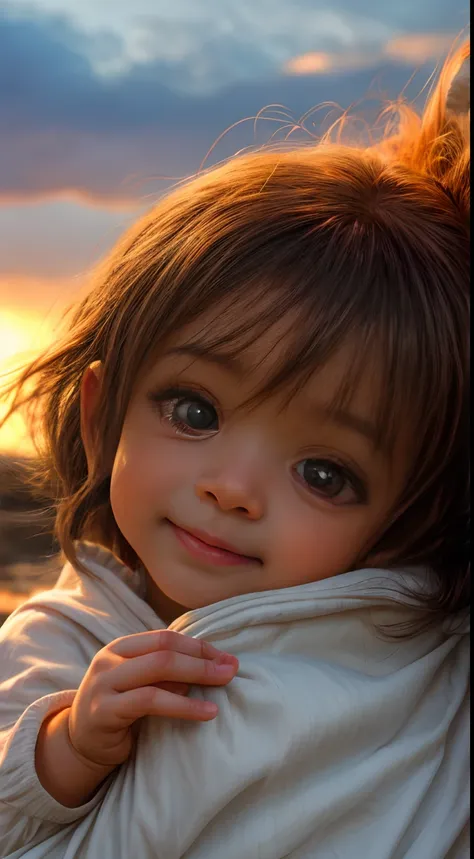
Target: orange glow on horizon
23,334
113,203
9,601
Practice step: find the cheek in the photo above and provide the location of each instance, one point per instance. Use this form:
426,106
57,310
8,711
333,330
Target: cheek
145,472
321,544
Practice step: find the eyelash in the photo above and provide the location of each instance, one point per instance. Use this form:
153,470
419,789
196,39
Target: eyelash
357,484
166,401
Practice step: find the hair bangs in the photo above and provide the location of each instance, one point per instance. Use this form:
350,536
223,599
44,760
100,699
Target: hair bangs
382,335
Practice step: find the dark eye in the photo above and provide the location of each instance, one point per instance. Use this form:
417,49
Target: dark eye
331,481
196,414
188,413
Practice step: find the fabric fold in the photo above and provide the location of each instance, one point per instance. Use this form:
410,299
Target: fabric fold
332,740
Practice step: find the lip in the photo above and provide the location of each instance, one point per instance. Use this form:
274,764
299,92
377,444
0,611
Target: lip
211,549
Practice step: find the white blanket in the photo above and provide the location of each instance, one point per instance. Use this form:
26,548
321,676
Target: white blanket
332,742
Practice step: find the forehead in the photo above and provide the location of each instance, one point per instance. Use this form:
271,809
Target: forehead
238,339
269,351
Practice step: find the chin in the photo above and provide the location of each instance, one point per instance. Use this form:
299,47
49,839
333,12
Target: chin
190,594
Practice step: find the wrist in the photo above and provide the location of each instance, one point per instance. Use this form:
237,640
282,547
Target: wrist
64,773
94,766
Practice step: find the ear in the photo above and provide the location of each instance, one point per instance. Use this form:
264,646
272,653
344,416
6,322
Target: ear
90,394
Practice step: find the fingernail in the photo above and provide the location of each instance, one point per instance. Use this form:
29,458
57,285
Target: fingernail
226,659
208,707
225,668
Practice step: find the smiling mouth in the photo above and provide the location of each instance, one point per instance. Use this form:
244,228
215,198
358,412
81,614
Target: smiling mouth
211,549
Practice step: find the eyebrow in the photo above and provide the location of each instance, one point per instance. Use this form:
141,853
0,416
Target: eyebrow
194,350
343,418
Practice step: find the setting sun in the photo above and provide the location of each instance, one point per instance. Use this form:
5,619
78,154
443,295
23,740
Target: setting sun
22,335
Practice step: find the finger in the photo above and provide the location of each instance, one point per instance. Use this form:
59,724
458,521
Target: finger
149,701
176,688
168,665
162,639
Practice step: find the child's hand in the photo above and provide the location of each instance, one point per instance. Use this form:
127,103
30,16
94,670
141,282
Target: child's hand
147,674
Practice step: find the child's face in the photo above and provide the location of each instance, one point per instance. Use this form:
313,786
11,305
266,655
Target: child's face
296,494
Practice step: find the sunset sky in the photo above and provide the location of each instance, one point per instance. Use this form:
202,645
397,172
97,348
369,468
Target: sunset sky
104,103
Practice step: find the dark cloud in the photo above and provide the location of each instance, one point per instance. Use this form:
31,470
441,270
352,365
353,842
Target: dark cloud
66,129
413,15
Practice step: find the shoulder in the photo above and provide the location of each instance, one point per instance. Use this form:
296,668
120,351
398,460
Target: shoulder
51,624
40,635
85,610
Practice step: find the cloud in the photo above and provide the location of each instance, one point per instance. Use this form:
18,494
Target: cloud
113,141
412,49
417,48
200,48
120,167
51,241
117,139
322,62
100,112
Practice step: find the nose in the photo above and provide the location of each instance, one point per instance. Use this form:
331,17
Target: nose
230,497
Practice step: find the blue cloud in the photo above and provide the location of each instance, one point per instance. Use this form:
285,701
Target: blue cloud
206,46
65,127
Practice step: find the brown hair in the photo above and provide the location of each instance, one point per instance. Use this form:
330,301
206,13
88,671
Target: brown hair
367,245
